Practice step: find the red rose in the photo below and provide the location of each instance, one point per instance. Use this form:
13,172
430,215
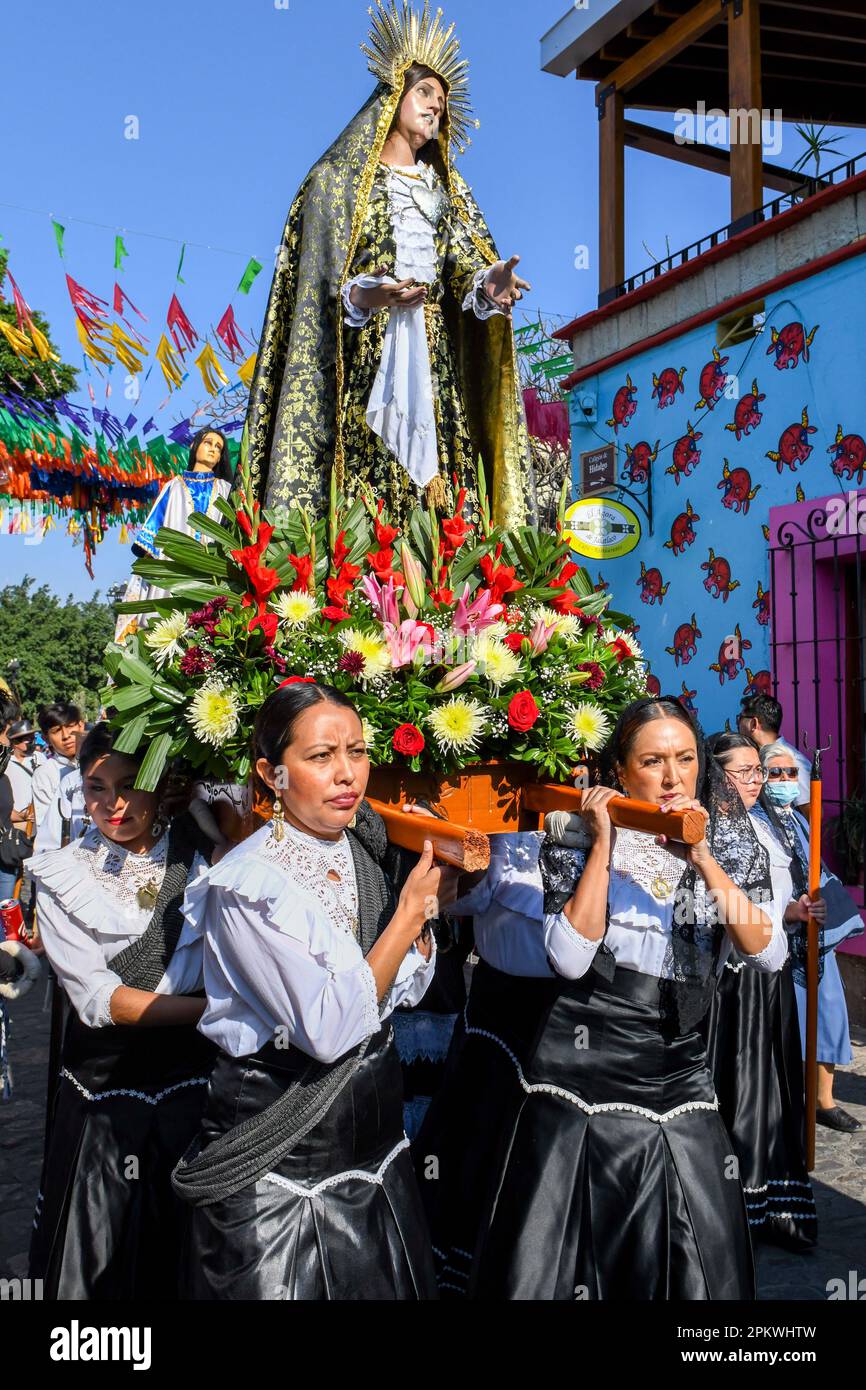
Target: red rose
523,712
514,642
268,622
621,650
408,740
297,680
334,614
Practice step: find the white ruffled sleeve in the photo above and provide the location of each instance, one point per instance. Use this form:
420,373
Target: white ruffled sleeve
76,956
570,953
274,968
356,317
477,299
412,981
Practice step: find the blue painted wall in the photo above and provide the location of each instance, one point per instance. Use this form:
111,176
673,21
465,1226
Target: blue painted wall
767,467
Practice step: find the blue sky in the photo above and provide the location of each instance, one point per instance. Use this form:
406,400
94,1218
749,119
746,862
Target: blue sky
235,100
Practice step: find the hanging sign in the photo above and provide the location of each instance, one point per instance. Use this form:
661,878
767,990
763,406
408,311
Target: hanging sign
602,529
598,470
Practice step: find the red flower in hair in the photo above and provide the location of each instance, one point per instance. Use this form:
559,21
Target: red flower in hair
297,680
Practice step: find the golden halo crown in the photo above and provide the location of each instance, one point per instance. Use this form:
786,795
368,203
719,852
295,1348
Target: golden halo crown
401,36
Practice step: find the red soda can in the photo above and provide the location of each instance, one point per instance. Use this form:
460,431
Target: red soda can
12,919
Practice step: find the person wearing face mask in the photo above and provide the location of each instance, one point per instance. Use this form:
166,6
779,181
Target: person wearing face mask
133,1069
300,1180
580,1149
834,1042
208,477
753,1047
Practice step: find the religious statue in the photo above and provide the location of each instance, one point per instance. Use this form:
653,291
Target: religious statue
387,355
208,476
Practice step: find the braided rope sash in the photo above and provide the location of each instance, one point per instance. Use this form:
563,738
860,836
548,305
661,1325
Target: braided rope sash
255,1147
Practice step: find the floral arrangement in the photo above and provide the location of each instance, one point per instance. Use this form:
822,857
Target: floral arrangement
457,641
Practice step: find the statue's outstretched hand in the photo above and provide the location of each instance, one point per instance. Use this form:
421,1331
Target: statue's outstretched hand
405,294
503,286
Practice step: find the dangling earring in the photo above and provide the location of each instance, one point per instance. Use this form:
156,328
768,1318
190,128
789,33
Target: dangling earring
160,821
278,823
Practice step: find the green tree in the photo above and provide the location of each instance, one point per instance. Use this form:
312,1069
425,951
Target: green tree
59,645
36,380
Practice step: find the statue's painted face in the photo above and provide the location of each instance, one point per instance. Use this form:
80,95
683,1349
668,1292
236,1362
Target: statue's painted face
421,112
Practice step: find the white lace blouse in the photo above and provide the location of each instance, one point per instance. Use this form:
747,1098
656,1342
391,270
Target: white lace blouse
282,960
401,408
514,934
89,911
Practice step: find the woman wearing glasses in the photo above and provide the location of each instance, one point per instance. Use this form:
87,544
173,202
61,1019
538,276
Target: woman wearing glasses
834,1043
753,1045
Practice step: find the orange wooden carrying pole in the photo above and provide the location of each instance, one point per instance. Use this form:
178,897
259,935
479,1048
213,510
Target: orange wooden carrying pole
811,1062
464,849
687,827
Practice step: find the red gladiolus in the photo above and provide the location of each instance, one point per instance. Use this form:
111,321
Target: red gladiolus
500,578
385,535
523,712
457,532
621,650
341,586
244,523
303,568
341,551
269,623
409,741
382,565
263,581
440,595
567,604
566,574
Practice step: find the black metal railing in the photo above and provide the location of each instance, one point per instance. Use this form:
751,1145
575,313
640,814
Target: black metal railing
817,183
822,654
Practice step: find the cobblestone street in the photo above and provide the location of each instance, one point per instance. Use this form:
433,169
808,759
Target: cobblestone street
839,1178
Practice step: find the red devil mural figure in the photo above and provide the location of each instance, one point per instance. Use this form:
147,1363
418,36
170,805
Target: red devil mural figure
760,682
624,405
747,416
718,581
653,686
794,446
849,456
668,386
638,461
688,699
682,531
685,642
713,381
731,660
653,588
739,493
790,344
762,603
686,455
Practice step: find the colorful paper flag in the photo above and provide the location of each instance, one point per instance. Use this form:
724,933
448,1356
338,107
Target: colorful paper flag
170,363
249,275
119,252
245,372
59,233
179,277
211,371
177,319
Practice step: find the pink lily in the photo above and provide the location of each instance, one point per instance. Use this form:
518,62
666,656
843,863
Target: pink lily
540,636
475,617
459,676
404,641
382,600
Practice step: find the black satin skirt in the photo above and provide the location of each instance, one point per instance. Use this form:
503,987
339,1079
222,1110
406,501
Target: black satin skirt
753,1048
595,1164
108,1225
339,1218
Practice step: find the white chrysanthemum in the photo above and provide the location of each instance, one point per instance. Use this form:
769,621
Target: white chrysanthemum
377,658
458,726
295,609
496,662
632,644
498,630
590,727
371,733
214,713
164,638
566,624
